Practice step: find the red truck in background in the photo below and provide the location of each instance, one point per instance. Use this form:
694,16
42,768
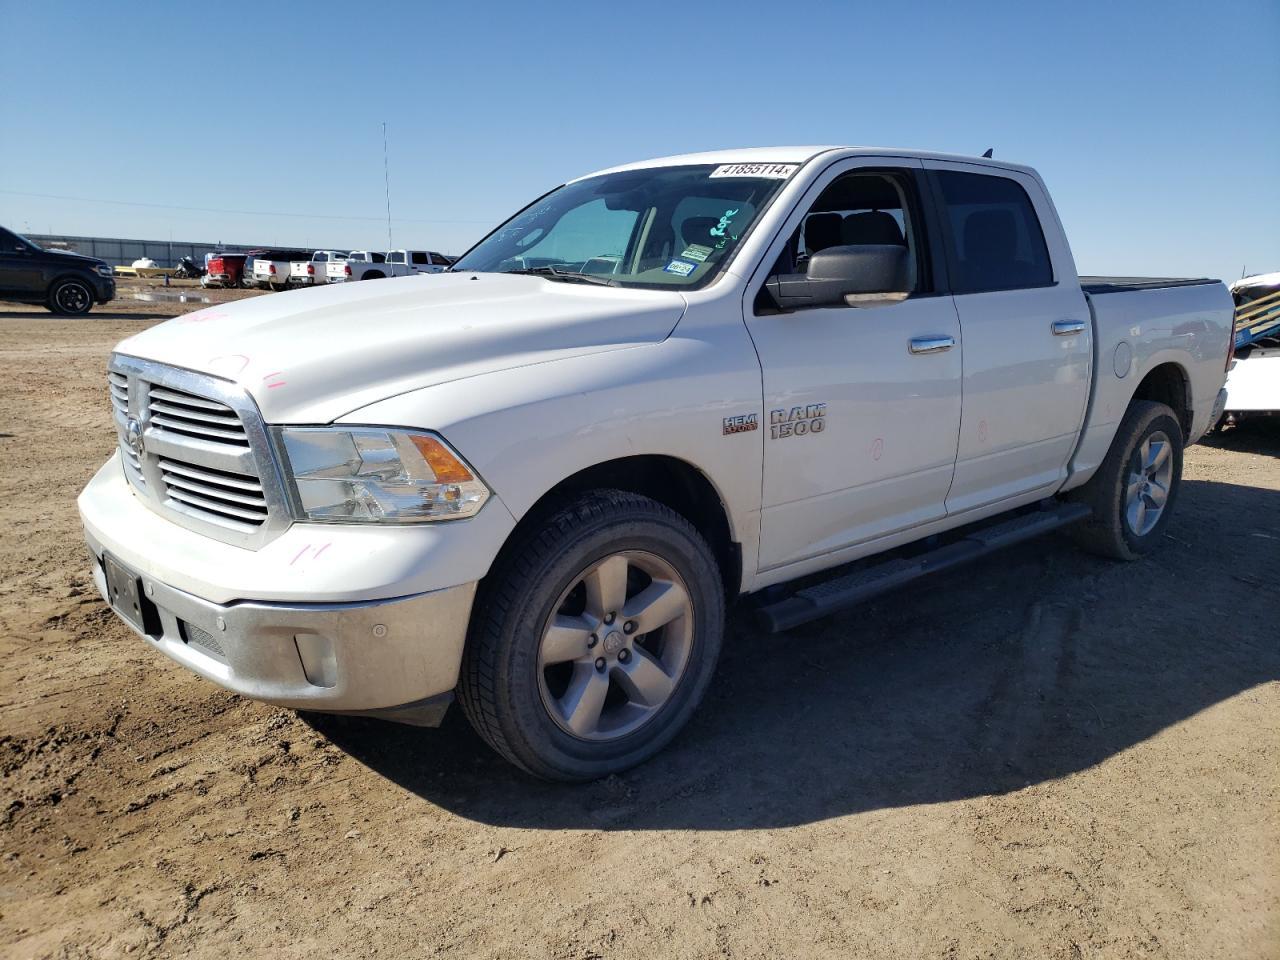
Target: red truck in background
225,270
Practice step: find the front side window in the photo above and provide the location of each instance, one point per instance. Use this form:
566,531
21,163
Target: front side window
859,209
661,227
15,242
995,235
395,256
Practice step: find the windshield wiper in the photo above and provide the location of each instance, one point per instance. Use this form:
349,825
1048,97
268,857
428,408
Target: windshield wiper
568,276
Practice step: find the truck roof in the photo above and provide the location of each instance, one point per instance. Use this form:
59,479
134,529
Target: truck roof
802,154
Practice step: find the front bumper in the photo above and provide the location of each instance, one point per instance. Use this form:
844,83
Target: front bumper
340,618
394,658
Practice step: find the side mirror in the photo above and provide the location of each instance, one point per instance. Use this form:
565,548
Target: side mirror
864,275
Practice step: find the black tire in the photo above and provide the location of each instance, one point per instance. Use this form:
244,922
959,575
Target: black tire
279,287
70,297
374,275
502,685
1110,531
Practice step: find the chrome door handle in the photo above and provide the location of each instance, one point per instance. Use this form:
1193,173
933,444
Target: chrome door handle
931,344
1067,328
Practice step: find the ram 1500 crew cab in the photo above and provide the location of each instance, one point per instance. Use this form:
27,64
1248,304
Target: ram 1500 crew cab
536,481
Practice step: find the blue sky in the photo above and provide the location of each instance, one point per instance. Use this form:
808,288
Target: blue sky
1154,124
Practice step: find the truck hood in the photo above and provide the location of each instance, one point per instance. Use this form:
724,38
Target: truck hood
311,356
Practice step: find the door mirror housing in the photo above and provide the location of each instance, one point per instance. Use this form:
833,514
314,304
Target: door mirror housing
863,275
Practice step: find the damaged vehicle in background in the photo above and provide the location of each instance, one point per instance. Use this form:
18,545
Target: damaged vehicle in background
1253,385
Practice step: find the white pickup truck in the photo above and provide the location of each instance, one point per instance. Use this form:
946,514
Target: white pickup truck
354,265
272,268
536,482
306,273
395,263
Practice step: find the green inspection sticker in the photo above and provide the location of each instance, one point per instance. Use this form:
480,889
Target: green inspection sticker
696,251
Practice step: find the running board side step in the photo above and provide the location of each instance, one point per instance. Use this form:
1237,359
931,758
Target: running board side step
841,592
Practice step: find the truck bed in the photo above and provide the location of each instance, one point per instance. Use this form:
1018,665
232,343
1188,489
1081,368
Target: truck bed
1096,285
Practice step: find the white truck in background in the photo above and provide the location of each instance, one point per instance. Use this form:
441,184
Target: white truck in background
306,273
273,267
1253,383
348,268
394,263
810,375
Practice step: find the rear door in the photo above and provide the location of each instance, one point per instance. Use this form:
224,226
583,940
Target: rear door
1027,337
862,404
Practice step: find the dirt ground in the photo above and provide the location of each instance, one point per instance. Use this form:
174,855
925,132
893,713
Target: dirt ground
1043,755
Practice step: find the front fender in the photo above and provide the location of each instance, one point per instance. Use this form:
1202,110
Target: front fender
527,429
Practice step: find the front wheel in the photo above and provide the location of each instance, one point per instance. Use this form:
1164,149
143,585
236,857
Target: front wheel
70,298
594,640
1133,492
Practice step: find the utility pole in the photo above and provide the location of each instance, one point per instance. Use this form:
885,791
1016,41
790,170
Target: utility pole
386,176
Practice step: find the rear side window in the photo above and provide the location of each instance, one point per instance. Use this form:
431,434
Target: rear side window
419,257
994,232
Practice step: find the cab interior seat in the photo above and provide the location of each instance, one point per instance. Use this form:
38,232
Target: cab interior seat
873,226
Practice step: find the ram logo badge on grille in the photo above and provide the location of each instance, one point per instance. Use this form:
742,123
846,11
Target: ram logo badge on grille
133,436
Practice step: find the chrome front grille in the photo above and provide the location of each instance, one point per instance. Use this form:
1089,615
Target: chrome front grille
118,384
195,449
221,496
192,416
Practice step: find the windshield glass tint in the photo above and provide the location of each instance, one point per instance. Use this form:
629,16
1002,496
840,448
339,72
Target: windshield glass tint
665,226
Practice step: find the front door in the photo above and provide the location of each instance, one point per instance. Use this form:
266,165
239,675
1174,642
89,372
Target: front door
862,404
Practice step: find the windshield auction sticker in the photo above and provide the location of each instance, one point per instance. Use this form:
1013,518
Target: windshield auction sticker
772,171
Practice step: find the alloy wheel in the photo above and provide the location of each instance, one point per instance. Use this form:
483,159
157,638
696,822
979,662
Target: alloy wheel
615,647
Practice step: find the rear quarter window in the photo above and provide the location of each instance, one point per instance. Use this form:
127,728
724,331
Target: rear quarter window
995,236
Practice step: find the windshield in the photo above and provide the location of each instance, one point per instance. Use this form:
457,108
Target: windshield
658,227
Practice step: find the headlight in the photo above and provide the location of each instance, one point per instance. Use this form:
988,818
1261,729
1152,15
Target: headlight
372,475
104,270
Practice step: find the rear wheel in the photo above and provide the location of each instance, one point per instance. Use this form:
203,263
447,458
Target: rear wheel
70,298
1133,492
594,641
374,275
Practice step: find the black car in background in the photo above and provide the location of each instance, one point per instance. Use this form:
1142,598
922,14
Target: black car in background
66,283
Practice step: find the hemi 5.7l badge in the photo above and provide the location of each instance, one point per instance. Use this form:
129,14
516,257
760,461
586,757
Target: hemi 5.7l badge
797,421
742,423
